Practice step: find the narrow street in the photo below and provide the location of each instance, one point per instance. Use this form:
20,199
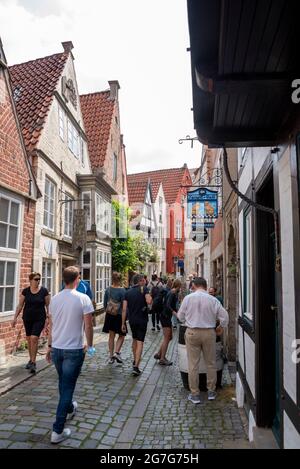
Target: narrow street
118,410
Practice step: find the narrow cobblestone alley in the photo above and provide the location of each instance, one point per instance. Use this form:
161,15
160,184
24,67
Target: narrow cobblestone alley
118,410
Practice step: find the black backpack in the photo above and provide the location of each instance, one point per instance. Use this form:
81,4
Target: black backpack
159,297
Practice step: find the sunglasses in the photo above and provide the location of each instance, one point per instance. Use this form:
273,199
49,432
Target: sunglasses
37,279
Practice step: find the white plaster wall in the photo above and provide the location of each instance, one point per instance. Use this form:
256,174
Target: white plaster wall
163,225
51,143
259,156
246,175
250,363
291,436
288,289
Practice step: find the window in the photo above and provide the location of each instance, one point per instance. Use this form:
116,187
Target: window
248,268
148,211
178,230
103,274
74,140
47,275
86,266
9,223
86,205
68,227
115,174
82,151
7,286
103,214
49,200
61,121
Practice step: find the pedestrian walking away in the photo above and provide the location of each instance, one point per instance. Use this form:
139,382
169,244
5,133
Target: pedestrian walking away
34,301
136,302
70,314
113,302
169,309
84,287
200,312
157,291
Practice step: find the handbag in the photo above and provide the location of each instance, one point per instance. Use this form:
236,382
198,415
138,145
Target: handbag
113,306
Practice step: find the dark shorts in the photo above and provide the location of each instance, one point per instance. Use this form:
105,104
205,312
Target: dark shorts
113,323
138,331
166,321
34,327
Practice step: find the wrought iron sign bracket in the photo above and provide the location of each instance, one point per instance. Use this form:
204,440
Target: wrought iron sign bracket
189,139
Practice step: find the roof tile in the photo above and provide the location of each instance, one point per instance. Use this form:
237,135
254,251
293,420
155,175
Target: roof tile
97,111
171,179
34,83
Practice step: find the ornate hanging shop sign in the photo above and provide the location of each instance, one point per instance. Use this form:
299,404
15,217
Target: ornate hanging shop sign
202,208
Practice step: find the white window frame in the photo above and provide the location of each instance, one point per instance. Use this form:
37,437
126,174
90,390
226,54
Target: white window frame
248,268
73,139
14,286
103,274
48,279
178,230
87,206
68,218
47,210
103,218
61,123
8,224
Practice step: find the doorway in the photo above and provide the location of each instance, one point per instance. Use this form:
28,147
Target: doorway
266,325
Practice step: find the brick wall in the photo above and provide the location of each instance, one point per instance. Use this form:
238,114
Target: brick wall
15,176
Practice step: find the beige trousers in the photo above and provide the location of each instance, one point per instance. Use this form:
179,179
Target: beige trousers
197,340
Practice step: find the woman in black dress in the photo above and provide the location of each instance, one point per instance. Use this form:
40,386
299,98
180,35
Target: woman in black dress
34,301
113,322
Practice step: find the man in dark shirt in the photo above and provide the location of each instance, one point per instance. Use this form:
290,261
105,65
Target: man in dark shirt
136,300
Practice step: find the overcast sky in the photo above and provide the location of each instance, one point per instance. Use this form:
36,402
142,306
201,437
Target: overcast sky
141,43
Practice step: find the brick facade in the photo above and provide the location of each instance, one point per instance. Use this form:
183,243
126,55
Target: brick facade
16,181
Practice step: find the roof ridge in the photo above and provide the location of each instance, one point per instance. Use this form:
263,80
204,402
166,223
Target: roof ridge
38,59
156,171
92,93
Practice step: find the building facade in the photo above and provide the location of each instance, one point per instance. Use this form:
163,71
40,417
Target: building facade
18,197
56,142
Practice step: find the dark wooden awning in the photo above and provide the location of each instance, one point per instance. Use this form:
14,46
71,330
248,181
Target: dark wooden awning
244,59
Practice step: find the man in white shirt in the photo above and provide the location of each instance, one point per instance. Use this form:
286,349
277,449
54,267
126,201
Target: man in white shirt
200,312
70,314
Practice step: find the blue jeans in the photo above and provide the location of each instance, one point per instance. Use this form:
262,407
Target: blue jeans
68,364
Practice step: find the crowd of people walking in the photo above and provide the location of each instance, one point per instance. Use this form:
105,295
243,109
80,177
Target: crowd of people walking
69,315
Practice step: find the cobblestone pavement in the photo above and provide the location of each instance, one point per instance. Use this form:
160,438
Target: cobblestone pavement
118,410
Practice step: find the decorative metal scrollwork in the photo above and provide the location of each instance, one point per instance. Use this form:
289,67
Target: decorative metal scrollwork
212,178
190,139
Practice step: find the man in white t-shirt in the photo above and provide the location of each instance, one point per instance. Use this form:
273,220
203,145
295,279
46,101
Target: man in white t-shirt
70,315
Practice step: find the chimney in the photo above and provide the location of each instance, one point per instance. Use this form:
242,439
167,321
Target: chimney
184,166
68,46
114,87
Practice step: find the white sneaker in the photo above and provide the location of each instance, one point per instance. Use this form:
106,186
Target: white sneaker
195,399
58,437
72,414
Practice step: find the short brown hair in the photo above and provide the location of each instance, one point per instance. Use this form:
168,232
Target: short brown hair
116,278
33,274
70,274
200,282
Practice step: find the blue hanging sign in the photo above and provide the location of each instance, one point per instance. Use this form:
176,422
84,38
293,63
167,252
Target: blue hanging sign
202,204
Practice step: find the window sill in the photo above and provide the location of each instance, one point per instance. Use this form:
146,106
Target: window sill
49,233
4,317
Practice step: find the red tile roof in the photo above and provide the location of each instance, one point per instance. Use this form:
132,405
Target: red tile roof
97,111
33,84
171,180
137,191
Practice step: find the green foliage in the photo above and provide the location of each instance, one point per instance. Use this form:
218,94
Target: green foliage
123,253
